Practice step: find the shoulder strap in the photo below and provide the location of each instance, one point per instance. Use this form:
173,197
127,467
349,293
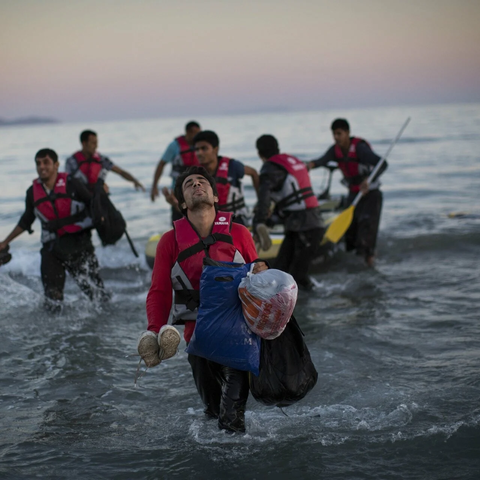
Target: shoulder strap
204,244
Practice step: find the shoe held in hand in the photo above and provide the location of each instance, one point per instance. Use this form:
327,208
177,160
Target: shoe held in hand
148,348
168,341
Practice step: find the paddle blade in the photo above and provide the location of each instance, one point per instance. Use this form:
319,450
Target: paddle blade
339,226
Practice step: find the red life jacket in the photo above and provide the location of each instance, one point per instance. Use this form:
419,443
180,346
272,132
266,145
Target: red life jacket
187,152
296,192
91,168
188,266
58,205
349,164
230,198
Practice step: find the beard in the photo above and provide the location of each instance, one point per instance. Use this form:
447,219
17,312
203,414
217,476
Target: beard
201,202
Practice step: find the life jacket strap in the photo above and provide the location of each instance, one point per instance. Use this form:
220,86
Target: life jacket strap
58,223
222,180
51,197
296,197
187,297
233,206
204,244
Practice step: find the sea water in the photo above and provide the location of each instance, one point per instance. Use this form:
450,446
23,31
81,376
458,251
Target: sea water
397,347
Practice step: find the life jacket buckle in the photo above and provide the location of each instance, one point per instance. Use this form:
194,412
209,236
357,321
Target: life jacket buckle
208,241
192,304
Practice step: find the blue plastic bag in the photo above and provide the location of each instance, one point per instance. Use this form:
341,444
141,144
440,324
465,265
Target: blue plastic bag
221,333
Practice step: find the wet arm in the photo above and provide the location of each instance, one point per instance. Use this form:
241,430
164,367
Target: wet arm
127,176
25,222
323,160
159,298
13,234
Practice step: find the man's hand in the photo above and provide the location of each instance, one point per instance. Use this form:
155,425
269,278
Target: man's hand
148,348
259,267
364,187
170,197
138,185
310,165
3,245
154,193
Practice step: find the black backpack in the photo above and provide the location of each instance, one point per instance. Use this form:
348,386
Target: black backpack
287,372
107,220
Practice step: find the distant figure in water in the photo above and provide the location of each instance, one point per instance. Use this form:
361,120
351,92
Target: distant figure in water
356,159
178,267
181,154
61,204
89,166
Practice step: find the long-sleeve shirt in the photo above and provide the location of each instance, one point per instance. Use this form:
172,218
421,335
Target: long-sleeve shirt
272,178
160,295
366,157
69,243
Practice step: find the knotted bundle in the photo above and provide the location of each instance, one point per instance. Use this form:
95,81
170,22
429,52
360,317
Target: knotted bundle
268,299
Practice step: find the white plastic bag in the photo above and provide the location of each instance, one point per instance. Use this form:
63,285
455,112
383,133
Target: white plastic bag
268,299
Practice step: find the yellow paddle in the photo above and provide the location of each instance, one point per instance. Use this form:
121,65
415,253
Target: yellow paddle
340,225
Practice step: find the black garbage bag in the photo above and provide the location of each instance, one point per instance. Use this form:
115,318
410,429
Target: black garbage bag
287,372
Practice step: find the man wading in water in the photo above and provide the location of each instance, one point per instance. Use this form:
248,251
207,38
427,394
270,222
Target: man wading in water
356,159
61,203
178,267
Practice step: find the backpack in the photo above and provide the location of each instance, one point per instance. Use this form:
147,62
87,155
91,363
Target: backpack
107,220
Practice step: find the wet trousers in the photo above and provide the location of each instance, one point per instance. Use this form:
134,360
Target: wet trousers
82,266
223,390
362,233
296,253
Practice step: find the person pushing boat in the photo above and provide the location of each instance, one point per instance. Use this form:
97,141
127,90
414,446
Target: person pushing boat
356,160
284,179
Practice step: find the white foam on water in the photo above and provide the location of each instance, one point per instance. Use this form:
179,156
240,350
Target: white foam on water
25,262
121,256
16,295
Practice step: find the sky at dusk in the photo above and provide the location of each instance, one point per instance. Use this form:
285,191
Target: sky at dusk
119,59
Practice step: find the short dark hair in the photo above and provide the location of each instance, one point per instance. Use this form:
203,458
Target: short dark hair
47,152
195,170
85,135
192,124
207,136
267,146
340,124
